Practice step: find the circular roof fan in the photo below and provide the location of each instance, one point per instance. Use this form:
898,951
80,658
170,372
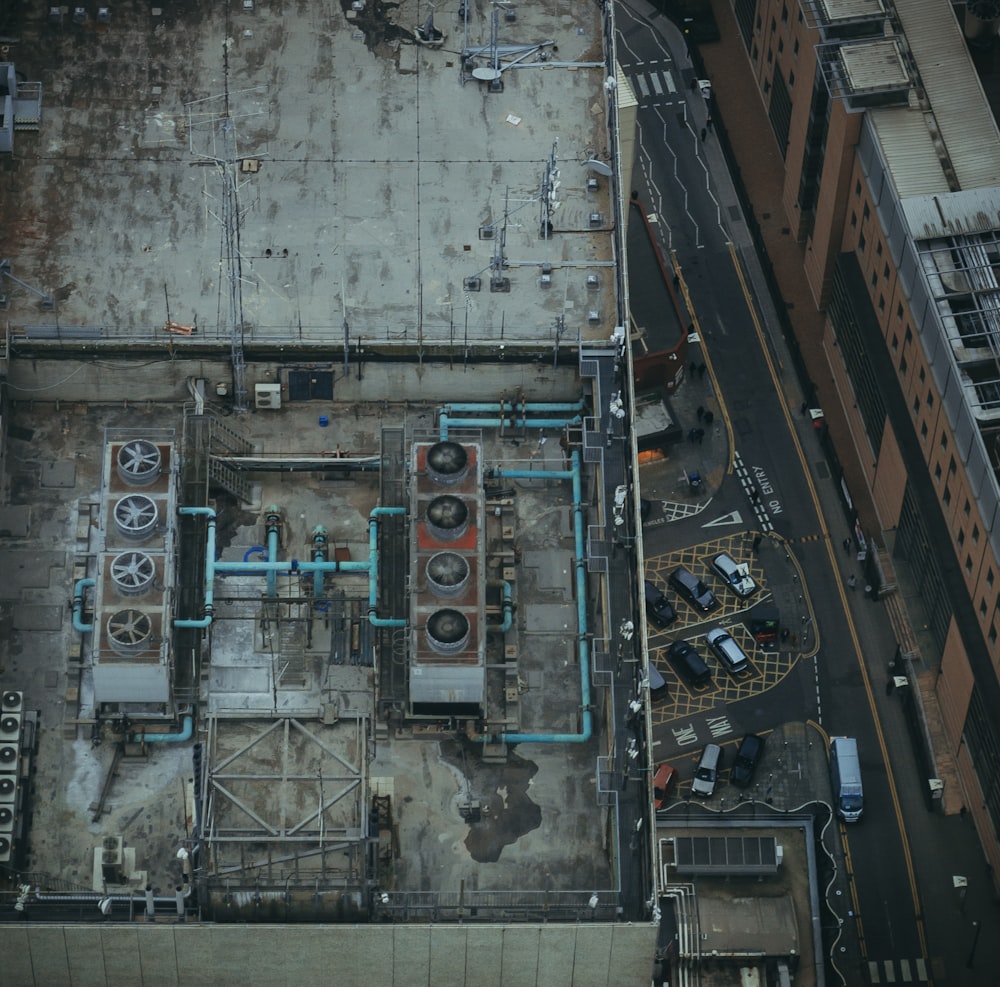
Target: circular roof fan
129,631
136,516
133,573
11,702
448,517
447,462
139,463
9,724
448,631
447,574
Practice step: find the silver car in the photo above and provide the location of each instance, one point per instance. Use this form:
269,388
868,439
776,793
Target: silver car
736,575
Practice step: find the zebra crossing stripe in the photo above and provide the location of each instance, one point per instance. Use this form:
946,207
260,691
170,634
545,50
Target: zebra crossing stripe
921,968
873,974
904,971
890,971
668,78
643,88
655,79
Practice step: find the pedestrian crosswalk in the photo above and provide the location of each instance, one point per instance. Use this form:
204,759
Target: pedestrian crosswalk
655,84
897,971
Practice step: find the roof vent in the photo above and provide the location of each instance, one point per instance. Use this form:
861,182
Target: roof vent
133,573
447,463
448,631
136,516
130,631
447,517
139,463
447,574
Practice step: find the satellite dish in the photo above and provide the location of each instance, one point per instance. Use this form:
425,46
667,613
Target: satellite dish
485,74
599,167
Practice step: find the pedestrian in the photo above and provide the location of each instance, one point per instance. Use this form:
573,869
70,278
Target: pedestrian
847,547
693,369
852,581
677,280
890,685
699,435
795,640
701,370
804,408
694,85
756,545
703,133
784,634
709,417
692,432
700,412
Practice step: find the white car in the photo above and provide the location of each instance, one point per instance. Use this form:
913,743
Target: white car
736,575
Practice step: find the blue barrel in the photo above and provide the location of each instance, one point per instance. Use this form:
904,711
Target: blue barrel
323,421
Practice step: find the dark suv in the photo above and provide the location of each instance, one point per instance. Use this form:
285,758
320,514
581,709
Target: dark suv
689,663
747,758
658,608
685,582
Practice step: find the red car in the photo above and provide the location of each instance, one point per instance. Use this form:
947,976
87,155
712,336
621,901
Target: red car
664,779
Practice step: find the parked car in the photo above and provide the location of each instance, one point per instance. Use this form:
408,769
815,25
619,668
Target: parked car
748,756
664,779
707,772
736,575
731,656
689,664
685,582
657,684
659,609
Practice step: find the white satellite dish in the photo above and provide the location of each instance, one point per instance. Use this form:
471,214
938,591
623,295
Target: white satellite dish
599,167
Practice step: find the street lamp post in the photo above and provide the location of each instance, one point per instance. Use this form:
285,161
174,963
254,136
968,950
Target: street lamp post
972,948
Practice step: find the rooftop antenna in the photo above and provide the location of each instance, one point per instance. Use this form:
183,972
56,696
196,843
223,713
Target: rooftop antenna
499,260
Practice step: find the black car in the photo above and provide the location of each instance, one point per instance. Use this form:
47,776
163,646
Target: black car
689,664
747,758
659,609
693,589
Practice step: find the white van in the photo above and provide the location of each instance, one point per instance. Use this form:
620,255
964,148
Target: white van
731,656
707,772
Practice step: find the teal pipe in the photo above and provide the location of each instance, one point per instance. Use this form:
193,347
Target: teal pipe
273,523
375,620
508,610
445,423
522,406
78,591
580,563
205,620
187,728
535,474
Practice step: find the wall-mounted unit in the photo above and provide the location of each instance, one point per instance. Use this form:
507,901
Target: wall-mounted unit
267,397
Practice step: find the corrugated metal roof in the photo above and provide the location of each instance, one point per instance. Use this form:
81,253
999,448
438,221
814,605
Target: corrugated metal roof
874,65
953,214
909,151
960,107
843,10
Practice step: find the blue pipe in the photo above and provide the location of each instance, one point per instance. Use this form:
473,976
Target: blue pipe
375,620
508,610
535,474
580,563
273,522
445,423
78,589
319,555
187,728
522,406
250,551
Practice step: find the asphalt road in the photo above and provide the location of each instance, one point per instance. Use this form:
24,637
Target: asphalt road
774,489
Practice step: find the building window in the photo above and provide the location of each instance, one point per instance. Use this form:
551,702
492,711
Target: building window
861,243
923,431
781,45
951,466
902,365
854,220
930,399
857,192
791,79
795,47
770,56
947,496
878,248
975,534
885,272
922,374
874,280
937,472
767,86
784,14
899,311
944,441
961,537
755,52
982,608
895,343
759,22
989,578
993,634
867,212
968,565
916,405
966,508
881,302
908,338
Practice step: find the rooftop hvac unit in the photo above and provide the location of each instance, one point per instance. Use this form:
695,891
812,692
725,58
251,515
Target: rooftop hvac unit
133,573
267,396
136,516
112,854
8,789
8,758
12,702
6,820
447,463
10,727
6,845
139,462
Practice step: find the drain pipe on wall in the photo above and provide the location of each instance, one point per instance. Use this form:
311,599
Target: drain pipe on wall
78,590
